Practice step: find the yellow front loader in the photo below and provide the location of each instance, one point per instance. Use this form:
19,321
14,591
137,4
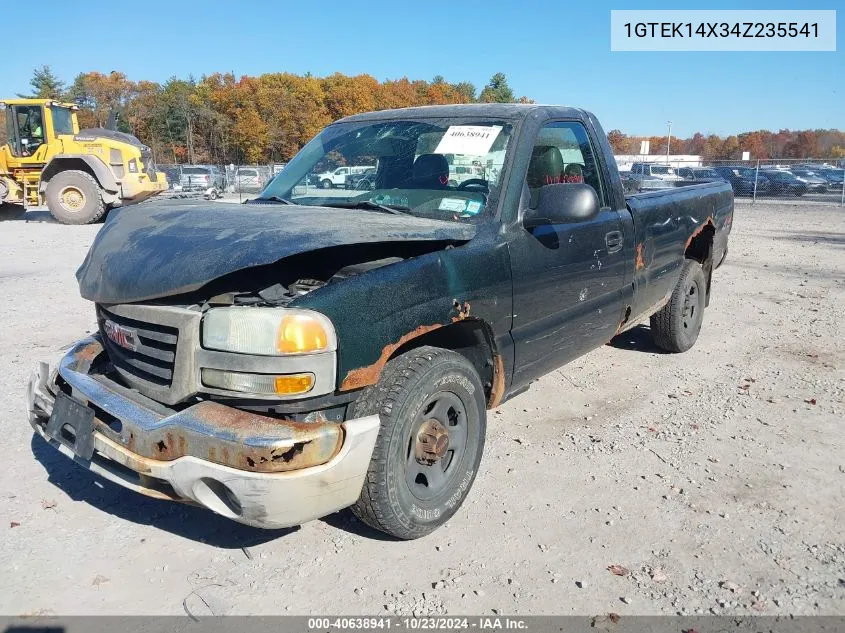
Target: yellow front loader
80,175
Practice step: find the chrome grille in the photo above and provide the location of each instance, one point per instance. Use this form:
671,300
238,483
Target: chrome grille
154,358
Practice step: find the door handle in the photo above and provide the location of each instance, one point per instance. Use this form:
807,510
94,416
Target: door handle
614,241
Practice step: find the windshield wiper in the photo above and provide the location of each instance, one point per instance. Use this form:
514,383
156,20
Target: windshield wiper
368,204
270,199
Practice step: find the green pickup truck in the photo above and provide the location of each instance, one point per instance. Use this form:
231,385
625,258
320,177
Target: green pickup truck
317,349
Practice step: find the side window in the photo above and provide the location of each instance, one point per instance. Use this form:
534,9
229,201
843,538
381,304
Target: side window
562,154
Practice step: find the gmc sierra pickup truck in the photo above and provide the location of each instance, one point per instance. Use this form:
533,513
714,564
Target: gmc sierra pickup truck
314,350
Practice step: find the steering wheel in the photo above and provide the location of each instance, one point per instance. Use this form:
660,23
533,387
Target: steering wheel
474,182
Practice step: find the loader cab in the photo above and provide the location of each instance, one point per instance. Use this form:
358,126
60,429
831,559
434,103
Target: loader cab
31,124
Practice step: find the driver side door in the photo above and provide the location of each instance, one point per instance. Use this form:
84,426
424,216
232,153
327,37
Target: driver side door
568,278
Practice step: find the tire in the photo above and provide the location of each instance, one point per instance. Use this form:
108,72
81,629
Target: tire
74,197
675,327
326,184
403,496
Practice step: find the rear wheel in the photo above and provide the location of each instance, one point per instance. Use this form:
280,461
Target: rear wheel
74,197
433,420
675,327
326,184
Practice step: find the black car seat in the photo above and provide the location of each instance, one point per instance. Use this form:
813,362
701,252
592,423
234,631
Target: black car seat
545,168
430,171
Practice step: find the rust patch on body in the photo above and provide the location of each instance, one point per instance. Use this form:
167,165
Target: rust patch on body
243,439
369,375
497,389
640,261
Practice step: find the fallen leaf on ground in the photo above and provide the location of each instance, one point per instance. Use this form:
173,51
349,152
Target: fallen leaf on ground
810,401
13,524
617,570
46,505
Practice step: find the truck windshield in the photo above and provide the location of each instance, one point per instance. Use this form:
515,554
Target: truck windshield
445,168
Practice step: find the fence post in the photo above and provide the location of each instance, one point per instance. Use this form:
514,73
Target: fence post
842,200
756,174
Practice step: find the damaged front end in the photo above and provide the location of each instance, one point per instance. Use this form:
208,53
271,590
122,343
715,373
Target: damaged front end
253,468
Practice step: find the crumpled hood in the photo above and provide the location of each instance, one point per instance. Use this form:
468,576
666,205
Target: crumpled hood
156,251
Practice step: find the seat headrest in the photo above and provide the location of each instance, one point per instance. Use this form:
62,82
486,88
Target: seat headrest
431,171
546,166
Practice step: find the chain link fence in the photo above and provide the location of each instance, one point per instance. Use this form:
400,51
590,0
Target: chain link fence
815,180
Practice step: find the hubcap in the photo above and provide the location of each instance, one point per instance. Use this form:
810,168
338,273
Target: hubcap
436,445
72,199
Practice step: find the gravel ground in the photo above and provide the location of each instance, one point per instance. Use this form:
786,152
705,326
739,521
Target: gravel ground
630,481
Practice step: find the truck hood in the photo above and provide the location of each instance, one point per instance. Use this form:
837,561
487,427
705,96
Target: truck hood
157,251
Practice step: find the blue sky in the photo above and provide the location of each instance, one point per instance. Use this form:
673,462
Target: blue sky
554,52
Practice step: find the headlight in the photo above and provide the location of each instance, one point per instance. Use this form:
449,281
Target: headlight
267,331
133,166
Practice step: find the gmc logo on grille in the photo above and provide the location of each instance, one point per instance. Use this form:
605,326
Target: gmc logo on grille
123,336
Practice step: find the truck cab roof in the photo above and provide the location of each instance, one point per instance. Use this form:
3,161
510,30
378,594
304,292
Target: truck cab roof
499,110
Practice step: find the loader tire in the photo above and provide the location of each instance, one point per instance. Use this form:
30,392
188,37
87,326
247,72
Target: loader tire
676,325
428,399
74,197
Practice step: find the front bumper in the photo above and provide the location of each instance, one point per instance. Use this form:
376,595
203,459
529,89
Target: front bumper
251,468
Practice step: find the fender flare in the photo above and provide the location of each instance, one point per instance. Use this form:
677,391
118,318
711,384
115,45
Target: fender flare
82,162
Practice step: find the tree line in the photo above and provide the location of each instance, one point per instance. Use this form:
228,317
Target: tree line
224,119
761,144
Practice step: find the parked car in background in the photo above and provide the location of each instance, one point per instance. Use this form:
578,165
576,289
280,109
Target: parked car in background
783,183
636,183
813,181
206,178
743,179
700,174
249,179
832,175
363,181
655,170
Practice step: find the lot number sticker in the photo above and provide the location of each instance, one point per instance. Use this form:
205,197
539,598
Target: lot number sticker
475,140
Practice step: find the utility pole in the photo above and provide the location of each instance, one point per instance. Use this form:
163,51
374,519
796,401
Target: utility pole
668,141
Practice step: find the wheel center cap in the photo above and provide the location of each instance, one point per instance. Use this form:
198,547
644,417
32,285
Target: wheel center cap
432,442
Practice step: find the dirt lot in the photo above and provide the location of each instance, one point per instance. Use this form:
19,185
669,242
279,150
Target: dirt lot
716,478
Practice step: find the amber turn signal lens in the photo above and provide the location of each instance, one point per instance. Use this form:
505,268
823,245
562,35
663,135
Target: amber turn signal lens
293,384
301,333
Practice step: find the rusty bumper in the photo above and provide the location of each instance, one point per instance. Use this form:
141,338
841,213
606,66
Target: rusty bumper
249,467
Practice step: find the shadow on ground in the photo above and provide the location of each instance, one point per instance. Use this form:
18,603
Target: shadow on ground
637,339
186,521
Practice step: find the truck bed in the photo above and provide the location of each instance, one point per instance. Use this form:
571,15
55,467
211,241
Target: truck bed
664,224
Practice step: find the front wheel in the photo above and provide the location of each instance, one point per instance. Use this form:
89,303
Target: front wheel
676,325
433,421
74,197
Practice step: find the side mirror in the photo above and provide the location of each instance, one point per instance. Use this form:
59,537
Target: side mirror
562,203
